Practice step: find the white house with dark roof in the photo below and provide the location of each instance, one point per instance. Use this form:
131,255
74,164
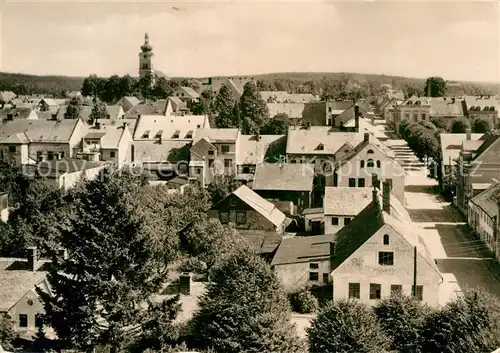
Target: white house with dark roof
253,150
186,94
246,210
483,216
29,141
19,279
285,182
128,102
342,204
374,256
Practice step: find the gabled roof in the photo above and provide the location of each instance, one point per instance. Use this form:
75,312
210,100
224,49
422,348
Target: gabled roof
17,113
262,206
6,96
168,125
131,100
263,241
451,144
303,249
487,200
481,102
189,92
217,135
168,151
442,107
491,141
284,177
302,140
143,109
16,139
40,130
293,110
345,201
110,135
252,149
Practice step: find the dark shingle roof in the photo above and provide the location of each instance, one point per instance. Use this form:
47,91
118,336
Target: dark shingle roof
264,242
303,249
287,177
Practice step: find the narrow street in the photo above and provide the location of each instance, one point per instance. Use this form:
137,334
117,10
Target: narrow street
462,259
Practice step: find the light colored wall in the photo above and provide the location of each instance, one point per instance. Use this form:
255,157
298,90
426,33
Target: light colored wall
295,276
362,267
50,147
22,307
402,110
254,220
389,169
4,215
482,224
19,157
330,228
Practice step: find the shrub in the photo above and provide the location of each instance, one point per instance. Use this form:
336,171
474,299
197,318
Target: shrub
438,122
346,326
428,124
303,302
194,265
459,126
481,126
403,130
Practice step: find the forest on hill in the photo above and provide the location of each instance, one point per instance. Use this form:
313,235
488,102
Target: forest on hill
299,82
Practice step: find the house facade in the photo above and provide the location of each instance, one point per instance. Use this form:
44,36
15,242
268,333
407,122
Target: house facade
342,204
484,107
374,256
248,211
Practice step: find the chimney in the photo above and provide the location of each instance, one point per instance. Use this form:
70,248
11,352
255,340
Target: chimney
366,137
356,118
97,125
453,100
185,283
31,255
257,136
386,196
375,181
125,124
468,132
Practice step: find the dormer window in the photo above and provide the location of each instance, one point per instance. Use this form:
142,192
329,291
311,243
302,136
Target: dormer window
159,134
189,134
210,152
145,135
320,147
176,134
370,151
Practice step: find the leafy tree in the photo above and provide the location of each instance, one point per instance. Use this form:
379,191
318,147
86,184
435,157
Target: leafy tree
222,187
303,302
481,125
126,86
7,333
436,86
114,264
245,309
73,110
252,109
207,97
459,126
98,113
163,88
224,108
402,319
275,127
209,240
470,323
92,86
344,327
145,86
438,122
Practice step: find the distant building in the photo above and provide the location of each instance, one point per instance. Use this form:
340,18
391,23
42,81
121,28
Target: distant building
146,62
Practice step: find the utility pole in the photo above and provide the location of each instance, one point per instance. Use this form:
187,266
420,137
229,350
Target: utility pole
415,271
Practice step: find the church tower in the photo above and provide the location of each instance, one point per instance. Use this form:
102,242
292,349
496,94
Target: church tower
145,58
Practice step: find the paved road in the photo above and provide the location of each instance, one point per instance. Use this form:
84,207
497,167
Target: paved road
460,257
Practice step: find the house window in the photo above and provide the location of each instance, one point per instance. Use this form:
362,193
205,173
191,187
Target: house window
378,164
386,239
396,289
369,163
38,320
386,258
326,278
112,154
420,292
362,164
12,149
224,217
224,148
375,290
335,221
50,155
313,266
361,182
313,276
293,161
370,152
424,116
23,320
241,217
210,152
228,163
352,182
210,162
354,290
198,170
347,220
321,147
415,117
61,154
407,115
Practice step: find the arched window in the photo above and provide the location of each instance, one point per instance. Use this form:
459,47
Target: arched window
386,239
370,152
485,108
362,164
492,109
369,163
378,164
320,147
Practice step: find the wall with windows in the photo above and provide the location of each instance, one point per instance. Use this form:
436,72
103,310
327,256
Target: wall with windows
382,264
334,223
25,312
16,154
371,160
483,224
297,275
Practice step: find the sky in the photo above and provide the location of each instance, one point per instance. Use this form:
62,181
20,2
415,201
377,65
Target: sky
455,40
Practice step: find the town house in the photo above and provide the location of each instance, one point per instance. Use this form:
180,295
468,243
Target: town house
483,216
413,109
376,254
248,211
476,166
186,94
128,102
367,159
485,107
214,153
31,141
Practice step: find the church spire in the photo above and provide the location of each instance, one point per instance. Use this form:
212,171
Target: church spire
146,46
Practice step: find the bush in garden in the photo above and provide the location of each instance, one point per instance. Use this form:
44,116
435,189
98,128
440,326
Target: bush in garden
303,302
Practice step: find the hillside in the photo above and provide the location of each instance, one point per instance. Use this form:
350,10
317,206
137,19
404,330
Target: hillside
311,82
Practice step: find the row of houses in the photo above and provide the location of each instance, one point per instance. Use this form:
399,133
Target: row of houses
473,159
